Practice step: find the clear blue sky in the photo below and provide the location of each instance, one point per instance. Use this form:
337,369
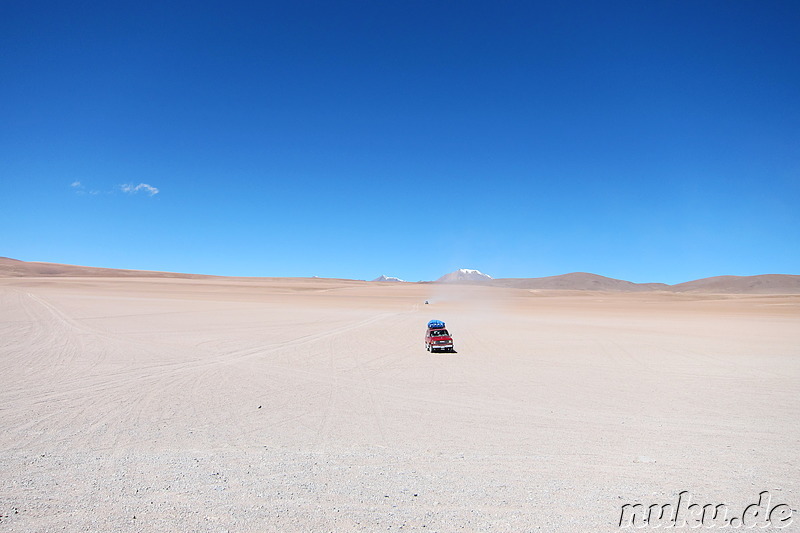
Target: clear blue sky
643,140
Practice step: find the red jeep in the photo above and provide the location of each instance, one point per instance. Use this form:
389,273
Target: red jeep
437,338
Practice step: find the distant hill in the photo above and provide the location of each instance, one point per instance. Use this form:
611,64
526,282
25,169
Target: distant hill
15,268
584,281
388,278
579,281
763,284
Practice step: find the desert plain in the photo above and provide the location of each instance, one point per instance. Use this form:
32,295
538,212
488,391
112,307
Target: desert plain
231,404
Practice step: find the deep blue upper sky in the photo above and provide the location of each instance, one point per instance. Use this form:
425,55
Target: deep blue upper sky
650,141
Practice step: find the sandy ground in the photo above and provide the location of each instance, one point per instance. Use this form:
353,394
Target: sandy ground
312,405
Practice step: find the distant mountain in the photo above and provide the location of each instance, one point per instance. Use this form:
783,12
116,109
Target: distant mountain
584,281
465,274
579,281
576,281
387,278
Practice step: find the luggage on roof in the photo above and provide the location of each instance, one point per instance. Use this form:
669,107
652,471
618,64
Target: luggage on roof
436,324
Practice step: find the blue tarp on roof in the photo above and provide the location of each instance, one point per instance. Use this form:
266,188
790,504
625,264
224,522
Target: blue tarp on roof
435,324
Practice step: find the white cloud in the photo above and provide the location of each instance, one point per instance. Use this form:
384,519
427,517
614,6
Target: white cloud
133,189
76,184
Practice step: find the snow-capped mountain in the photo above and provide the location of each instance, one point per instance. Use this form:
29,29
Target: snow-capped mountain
465,274
387,278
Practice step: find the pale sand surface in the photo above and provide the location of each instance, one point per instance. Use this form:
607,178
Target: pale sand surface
312,405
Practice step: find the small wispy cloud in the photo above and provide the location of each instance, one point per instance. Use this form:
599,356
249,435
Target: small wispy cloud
142,187
81,189
128,188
